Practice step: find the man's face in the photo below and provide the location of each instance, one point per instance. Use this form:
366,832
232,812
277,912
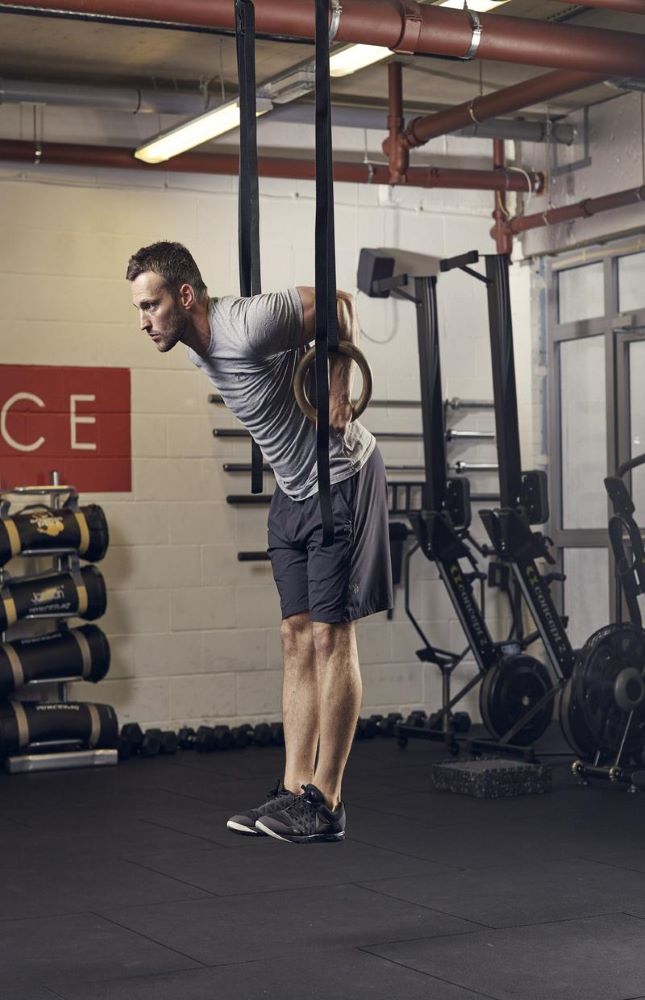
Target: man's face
160,315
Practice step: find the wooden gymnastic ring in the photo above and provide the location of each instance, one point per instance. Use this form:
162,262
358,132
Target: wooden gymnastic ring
305,363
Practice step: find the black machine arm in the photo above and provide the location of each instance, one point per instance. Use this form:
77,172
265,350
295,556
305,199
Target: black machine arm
630,559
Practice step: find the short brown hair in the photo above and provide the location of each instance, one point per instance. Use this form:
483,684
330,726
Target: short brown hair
172,261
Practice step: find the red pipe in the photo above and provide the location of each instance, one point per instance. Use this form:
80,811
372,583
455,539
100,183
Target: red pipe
581,210
628,6
502,236
268,166
399,154
401,25
481,109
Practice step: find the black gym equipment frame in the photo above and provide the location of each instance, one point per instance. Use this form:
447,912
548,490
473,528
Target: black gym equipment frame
523,494
602,686
442,531
603,712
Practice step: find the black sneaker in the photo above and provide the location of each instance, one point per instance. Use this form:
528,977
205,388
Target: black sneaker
305,820
244,823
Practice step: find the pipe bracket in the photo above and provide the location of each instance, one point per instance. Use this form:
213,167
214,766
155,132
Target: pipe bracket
412,22
471,112
334,21
476,38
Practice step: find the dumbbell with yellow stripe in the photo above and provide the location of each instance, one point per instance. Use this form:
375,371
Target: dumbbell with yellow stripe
82,653
80,593
88,725
39,528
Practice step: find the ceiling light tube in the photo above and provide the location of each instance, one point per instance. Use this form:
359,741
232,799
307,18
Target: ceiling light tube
355,57
196,131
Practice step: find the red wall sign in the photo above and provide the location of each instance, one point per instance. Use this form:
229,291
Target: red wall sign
75,421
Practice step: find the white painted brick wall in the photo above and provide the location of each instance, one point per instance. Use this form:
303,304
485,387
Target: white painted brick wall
616,145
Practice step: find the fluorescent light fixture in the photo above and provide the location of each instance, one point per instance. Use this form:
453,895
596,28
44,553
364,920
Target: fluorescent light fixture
481,6
196,131
355,57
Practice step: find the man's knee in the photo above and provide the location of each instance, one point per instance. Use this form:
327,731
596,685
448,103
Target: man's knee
332,637
296,634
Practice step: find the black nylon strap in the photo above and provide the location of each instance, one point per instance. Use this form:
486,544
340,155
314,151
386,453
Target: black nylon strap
326,317
249,196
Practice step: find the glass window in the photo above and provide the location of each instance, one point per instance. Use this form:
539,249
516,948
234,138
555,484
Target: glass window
581,293
637,423
586,592
584,432
631,282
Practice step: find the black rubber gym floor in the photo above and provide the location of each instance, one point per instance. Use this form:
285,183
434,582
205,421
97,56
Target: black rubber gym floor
124,884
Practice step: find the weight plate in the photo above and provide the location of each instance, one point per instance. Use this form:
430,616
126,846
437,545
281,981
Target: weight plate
573,725
604,657
508,691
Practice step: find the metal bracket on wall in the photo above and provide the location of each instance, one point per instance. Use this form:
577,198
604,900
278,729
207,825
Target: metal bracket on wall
581,140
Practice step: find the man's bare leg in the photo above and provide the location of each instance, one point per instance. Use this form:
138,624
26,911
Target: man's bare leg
299,701
340,692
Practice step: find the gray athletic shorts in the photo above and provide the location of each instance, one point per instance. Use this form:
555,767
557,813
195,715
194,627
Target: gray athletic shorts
351,578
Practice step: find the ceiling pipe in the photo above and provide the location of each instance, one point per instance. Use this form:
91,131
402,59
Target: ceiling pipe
581,210
152,100
303,113
626,6
520,95
131,100
401,25
500,233
77,155
398,154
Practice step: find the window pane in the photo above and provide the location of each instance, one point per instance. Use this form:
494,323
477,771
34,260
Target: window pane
637,423
581,293
584,432
631,282
586,592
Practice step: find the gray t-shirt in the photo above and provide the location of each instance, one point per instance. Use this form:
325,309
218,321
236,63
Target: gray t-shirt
255,345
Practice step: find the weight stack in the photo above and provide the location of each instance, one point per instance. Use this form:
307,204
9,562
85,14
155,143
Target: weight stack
40,529
49,724
82,653
81,594
491,778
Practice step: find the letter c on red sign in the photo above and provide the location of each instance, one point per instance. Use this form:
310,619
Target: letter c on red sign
3,422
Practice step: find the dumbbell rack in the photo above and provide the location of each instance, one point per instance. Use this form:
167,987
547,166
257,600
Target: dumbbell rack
65,560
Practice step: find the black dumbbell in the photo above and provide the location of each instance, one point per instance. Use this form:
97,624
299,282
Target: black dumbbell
387,726
124,748
186,738
375,721
202,740
223,738
277,734
262,735
417,718
150,744
365,729
241,736
168,740
434,721
132,734
461,722
205,739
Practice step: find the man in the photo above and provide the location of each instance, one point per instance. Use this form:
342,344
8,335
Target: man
249,349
